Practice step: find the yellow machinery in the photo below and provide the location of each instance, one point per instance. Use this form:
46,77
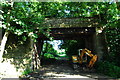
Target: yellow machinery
82,58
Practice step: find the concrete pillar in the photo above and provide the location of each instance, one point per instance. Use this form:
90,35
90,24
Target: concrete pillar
99,43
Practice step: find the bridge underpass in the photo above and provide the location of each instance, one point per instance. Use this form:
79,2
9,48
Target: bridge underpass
85,34
88,34
62,70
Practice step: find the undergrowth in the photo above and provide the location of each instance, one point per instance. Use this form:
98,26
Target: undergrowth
109,69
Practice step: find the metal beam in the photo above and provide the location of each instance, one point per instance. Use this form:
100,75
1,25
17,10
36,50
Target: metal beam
69,33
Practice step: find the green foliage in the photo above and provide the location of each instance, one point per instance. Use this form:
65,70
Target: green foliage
113,40
50,52
62,54
16,47
25,17
71,46
26,71
19,51
48,55
48,48
22,18
109,69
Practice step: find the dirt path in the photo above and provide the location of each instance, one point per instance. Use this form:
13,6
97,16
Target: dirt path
62,70
8,70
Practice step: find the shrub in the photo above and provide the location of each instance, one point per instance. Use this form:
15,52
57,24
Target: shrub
109,69
26,71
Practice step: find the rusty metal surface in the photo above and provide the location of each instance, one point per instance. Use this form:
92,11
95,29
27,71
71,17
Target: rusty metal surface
70,33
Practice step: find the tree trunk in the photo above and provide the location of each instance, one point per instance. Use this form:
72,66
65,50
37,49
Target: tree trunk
5,37
3,43
32,52
39,46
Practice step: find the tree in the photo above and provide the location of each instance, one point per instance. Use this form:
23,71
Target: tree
21,19
3,42
71,46
48,49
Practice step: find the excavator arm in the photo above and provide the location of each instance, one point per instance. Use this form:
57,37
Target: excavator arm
87,52
92,61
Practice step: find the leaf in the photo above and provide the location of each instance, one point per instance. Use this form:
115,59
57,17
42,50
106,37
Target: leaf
24,38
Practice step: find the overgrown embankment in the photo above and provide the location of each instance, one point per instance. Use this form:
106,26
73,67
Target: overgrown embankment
16,58
108,69
110,64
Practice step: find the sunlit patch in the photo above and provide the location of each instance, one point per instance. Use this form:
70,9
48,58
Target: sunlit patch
8,70
63,75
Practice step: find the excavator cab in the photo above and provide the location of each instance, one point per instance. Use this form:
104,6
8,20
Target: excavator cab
76,61
84,57
75,58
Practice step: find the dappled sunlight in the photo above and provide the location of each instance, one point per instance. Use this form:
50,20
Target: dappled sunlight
62,69
16,58
40,39
64,75
8,70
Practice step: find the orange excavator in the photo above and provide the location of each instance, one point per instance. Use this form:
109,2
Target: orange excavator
82,58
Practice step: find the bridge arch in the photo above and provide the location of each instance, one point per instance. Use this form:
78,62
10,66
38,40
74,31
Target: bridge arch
75,28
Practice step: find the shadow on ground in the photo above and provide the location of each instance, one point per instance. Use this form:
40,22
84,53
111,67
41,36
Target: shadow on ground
62,69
